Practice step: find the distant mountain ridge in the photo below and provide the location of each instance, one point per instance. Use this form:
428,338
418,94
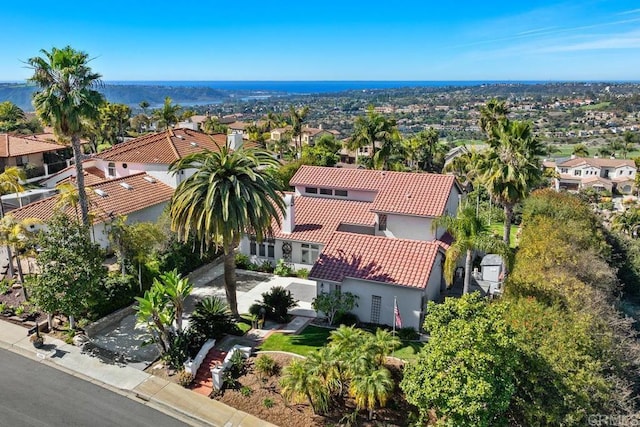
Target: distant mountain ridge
130,94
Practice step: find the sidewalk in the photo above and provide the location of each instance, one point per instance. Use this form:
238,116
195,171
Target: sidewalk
172,399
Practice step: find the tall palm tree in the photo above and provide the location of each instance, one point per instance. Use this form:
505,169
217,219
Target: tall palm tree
167,115
65,98
177,289
230,194
298,384
372,389
10,112
68,195
370,129
297,118
143,106
465,167
510,168
425,150
272,121
492,114
470,232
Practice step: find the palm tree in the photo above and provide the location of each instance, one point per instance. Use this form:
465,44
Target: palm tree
326,365
230,194
10,112
374,388
465,167
143,106
580,150
65,99
167,116
627,222
68,195
510,168
11,182
272,121
347,339
383,343
491,115
628,143
296,118
177,289
370,129
425,150
470,232
298,384
14,234
257,134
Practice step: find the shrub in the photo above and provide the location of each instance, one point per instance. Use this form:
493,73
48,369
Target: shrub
212,317
242,262
268,403
178,351
408,334
303,273
283,269
266,267
3,307
5,286
245,391
347,319
237,366
265,365
19,310
277,302
254,310
184,378
116,291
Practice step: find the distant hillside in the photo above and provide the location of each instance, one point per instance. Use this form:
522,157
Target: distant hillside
20,94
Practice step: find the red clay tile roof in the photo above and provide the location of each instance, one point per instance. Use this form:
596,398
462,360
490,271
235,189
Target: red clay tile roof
597,162
317,218
163,147
380,259
118,199
92,176
420,194
22,145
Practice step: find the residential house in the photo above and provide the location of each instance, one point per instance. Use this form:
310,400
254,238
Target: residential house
609,174
38,155
367,232
139,196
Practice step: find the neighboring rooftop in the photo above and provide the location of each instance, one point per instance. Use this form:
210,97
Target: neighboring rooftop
163,147
23,145
596,162
420,194
122,196
399,262
316,219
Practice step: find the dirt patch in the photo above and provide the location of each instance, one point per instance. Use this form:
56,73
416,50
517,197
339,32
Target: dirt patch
266,392
15,309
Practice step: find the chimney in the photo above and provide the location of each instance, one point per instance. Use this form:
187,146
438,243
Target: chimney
289,220
320,126
573,156
234,141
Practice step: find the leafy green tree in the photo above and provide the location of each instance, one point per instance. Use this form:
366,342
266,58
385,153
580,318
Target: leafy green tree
510,169
70,268
140,123
65,99
167,115
333,303
466,371
230,194
114,120
470,233
212,125
628,143
372,130
155,313
257,134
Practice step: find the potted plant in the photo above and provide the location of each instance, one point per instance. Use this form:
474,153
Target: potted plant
37,340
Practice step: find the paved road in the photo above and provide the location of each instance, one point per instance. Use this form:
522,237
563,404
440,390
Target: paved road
34,394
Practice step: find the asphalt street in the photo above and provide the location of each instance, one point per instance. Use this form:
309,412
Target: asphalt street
34,394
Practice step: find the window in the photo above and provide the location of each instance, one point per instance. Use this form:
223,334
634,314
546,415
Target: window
266,249
22,160
364,150
382,222
338,288
311,190
252,247
376,302
111,169
341,193
577,172
564,170
309,253
326,191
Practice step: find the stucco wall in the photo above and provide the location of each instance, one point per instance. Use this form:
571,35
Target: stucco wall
408,227
363,196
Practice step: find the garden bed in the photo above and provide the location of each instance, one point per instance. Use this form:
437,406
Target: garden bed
262,398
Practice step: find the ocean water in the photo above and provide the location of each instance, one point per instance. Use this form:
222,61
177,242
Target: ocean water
309,87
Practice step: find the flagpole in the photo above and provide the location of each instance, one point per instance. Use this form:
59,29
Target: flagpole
394,314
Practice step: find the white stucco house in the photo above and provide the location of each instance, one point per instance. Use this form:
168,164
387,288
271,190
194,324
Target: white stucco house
577,173
366,232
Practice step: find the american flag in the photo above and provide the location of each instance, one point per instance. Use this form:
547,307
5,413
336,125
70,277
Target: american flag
396,312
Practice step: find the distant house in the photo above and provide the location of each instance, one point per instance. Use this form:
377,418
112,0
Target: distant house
38,155
577,173
139,196
367,232
310,135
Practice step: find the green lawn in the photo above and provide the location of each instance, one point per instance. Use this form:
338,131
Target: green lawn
244,327
313,338
309,340
598,106
498,228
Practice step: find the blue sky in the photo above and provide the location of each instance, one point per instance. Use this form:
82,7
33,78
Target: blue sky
332,40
